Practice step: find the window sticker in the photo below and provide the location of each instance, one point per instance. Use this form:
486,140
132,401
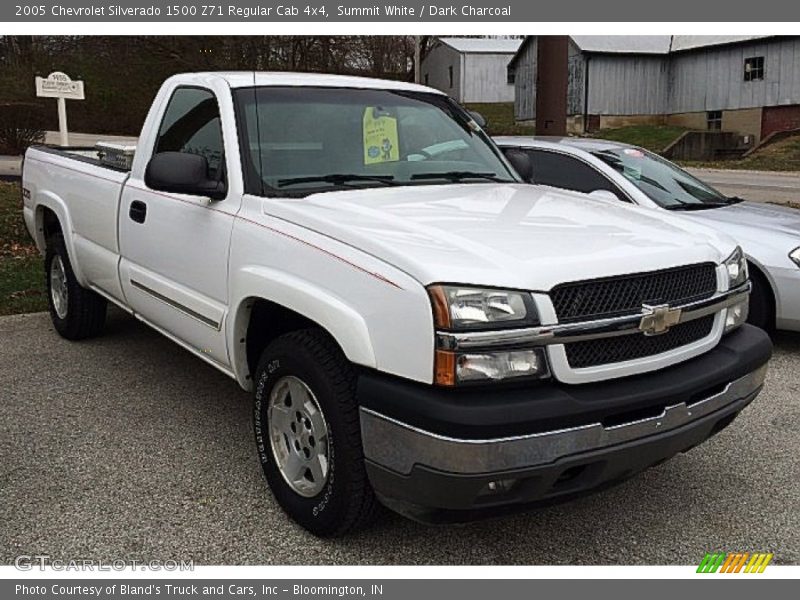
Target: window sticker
380,136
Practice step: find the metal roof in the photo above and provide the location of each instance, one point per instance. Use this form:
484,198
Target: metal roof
482,45
648,44
690,42
655,44
628,44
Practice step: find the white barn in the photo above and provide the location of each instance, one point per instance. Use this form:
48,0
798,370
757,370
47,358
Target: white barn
744,84
471,69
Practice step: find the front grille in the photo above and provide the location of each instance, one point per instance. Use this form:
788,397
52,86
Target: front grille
630,347
613,296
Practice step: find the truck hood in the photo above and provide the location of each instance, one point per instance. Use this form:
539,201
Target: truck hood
509,235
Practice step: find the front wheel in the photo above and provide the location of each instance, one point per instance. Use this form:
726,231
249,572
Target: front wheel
76,312
308,435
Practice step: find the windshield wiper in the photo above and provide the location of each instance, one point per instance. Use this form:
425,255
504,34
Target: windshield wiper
337,179
459,176
687,206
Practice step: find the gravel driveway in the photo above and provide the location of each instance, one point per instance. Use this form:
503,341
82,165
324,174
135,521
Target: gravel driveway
128,447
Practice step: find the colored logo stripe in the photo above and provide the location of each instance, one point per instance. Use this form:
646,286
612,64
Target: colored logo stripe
734,562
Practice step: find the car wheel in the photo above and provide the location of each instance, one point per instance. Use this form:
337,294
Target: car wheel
762,308
76,312
308,435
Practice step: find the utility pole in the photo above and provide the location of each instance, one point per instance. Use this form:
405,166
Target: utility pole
552,73
417,55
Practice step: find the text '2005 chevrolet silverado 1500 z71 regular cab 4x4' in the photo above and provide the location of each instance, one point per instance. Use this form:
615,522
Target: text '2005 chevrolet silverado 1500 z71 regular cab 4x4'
418,327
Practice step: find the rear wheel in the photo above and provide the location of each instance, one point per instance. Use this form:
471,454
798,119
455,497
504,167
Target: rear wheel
76,312
762,306
308,434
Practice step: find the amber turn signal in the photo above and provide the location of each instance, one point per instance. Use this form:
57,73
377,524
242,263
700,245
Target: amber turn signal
444,368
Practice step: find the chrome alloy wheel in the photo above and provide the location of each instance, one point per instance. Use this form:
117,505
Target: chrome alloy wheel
298,435
58,287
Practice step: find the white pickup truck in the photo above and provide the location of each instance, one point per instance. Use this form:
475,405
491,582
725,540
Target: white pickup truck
417,327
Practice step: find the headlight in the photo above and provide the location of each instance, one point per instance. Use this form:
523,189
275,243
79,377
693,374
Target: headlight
736,265
463,308
795,256
453,368
500,365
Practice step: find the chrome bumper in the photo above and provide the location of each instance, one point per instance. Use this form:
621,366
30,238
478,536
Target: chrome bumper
399,447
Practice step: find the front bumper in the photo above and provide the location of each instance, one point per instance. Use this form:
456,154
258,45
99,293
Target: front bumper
431,467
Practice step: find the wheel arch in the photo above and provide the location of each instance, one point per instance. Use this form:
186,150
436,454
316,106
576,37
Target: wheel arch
51,216
754,267
270,303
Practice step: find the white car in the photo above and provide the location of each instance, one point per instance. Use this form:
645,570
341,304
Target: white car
768,234
417,325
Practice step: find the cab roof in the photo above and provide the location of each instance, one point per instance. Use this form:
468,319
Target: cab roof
238,79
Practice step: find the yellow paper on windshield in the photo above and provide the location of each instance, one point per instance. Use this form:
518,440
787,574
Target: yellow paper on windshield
380,137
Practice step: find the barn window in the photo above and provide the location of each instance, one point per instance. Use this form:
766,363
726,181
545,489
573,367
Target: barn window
754,68
450,74
511,76
426,79
714,120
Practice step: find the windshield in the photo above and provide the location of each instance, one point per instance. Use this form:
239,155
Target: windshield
666,184
301,140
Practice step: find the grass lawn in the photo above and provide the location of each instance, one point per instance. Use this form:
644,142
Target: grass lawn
653,137
21,275
500,118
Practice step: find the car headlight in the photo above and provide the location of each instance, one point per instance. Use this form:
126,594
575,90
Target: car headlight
462,309
795,256
736,266
457,308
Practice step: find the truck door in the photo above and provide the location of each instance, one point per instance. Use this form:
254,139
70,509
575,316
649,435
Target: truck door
174,247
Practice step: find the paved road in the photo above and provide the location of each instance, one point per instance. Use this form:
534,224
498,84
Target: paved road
760,186
128,447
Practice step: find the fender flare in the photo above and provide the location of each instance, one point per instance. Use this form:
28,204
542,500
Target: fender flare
330,312
54,203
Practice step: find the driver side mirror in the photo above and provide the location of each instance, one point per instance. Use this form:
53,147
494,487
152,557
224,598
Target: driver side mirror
182,173
522,163
478,118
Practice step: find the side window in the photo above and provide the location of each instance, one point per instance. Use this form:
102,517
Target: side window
558,170
192,124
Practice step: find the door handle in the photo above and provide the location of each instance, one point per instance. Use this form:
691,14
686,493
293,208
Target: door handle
138,211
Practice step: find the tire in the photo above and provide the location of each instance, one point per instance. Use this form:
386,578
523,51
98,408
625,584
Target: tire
307,366
762,307
77,313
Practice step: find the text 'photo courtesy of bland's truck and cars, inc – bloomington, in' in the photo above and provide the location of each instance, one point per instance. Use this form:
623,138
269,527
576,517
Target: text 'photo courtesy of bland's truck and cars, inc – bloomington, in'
434,299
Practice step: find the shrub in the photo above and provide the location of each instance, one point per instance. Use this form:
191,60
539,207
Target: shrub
21,124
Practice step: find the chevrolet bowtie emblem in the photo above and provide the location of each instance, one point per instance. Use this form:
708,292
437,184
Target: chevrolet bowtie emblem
658,319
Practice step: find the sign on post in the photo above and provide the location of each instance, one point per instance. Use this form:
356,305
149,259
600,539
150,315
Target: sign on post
59,85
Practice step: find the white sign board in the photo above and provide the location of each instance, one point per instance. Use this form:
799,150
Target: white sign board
59,85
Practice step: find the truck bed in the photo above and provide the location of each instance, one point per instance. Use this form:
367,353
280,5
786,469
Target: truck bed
98,155
83,192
